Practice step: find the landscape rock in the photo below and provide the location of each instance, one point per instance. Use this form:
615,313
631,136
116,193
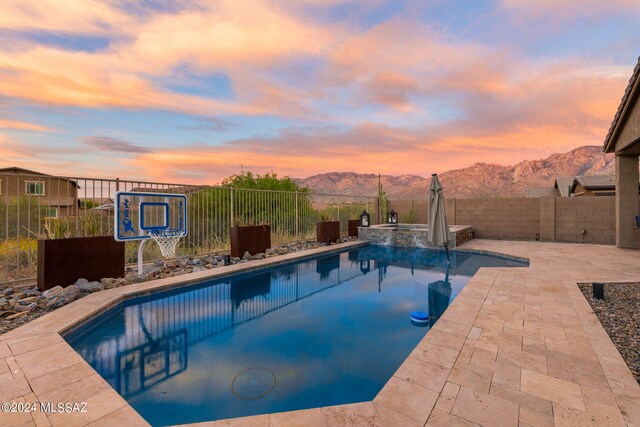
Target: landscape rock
90,287
619,315
138,279
131,276
282,251
15,316
68,294
8,291
20,308
53,292
27,301
246,256
109,282
152,271
81,282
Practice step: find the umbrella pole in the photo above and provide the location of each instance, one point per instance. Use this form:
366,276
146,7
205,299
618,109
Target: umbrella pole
446,248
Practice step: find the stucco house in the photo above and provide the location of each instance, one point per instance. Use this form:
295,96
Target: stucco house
595,185
623,139
58,196
567,186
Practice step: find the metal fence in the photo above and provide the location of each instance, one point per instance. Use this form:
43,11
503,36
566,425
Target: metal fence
34,206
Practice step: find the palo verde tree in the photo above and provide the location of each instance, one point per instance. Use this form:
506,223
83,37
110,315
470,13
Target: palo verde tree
248,198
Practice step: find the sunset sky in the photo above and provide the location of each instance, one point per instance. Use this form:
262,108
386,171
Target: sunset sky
188,91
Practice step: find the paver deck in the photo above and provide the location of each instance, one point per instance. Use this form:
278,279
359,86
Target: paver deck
518,347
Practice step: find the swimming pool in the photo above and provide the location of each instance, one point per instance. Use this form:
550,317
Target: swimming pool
318,332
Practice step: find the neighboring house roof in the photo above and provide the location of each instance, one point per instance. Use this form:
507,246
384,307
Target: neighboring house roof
97,200
628,99
17,170
176,189
563,183
22,171
542,192
595,182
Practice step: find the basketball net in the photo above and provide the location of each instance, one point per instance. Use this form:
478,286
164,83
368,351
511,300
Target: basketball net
167,241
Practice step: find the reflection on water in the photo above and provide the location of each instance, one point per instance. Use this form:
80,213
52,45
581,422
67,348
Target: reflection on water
144,366
329,330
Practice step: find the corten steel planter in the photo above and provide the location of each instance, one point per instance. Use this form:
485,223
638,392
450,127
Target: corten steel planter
328,231
63,261
250,238
353,227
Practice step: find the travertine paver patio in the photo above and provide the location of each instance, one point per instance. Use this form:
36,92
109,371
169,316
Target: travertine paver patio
518,347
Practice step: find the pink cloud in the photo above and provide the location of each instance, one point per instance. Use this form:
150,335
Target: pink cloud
66,16
20,125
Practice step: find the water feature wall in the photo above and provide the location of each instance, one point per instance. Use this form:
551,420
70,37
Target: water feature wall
410,235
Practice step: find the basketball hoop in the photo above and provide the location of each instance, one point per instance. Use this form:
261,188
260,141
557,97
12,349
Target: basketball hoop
140,216
167,241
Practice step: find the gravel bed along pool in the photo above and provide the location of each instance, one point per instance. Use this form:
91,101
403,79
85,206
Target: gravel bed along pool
619,314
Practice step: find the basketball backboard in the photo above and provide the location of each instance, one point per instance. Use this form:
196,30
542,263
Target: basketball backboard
137,214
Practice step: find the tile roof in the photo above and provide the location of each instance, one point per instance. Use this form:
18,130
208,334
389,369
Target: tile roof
563,183
597,182
630,93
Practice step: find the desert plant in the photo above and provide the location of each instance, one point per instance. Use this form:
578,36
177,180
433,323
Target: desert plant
324,216
73,226
382,201
408,219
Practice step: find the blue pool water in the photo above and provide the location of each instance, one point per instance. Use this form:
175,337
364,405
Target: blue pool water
325,331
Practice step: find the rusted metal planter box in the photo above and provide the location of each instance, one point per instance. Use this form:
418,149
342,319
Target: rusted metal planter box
250,238
328,231
353,227
63,261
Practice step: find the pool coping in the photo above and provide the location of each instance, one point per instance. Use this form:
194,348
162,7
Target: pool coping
41,366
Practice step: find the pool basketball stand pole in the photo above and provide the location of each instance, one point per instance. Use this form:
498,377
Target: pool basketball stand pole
140,257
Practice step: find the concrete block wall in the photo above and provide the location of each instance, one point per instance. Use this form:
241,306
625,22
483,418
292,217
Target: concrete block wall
504,218
595,215
558,219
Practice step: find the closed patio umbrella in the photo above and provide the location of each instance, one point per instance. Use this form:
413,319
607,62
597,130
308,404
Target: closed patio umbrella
438,225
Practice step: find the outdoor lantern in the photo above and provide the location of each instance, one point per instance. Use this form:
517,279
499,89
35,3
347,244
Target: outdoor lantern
392,217
365,219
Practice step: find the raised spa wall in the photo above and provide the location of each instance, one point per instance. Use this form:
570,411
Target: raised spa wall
410,235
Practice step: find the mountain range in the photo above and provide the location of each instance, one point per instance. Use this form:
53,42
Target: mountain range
477,180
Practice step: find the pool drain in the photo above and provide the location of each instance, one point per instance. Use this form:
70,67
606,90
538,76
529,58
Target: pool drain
253,383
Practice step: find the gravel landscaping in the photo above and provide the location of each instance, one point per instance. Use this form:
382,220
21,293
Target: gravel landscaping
619,314
21,305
